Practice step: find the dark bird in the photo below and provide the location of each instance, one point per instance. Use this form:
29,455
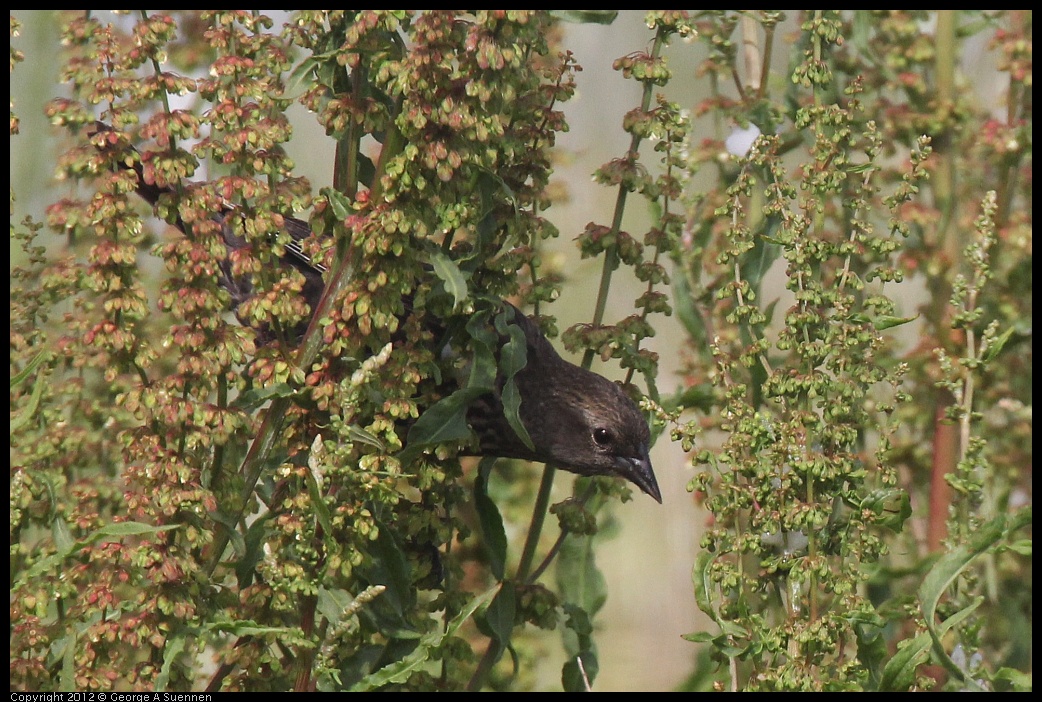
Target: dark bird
575,418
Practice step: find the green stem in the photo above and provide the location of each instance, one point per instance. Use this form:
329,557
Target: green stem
611,257
542,504
345,177
159,72
492,653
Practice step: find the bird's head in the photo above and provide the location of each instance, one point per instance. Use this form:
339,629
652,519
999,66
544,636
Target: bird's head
591,427
576,419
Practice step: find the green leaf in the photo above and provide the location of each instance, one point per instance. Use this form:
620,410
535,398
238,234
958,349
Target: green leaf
400,670
1021,547
585,16
322,513
360,435
311,64
579,581
1018,680
497,621
252,548
20,376
469,610
451,276
341,204
63,540
483,364
700,397
248,627
129,529
768,311
513,356
332,603
68,674
703,583
390,567
699,637
860,167
686,310
892,504
576,679
255,397
947,569
445,420
494,190
887,322
174,646
996,345
872,649
761,257
338,605
578,622
495,538
899,672
366,168
118,529
29,410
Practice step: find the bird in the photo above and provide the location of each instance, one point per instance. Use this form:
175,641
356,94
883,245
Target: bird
574,418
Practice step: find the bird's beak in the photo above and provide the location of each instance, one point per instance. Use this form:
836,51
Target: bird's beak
639,472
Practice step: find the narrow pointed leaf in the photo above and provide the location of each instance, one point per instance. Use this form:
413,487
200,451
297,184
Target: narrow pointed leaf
401,669
451,276
491,521
513,356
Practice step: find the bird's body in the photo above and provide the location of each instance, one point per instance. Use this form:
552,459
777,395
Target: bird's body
575,419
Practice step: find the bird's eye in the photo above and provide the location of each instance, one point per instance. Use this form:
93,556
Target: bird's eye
602,436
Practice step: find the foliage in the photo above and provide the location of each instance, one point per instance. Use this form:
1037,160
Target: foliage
277,526
193,510
860,166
